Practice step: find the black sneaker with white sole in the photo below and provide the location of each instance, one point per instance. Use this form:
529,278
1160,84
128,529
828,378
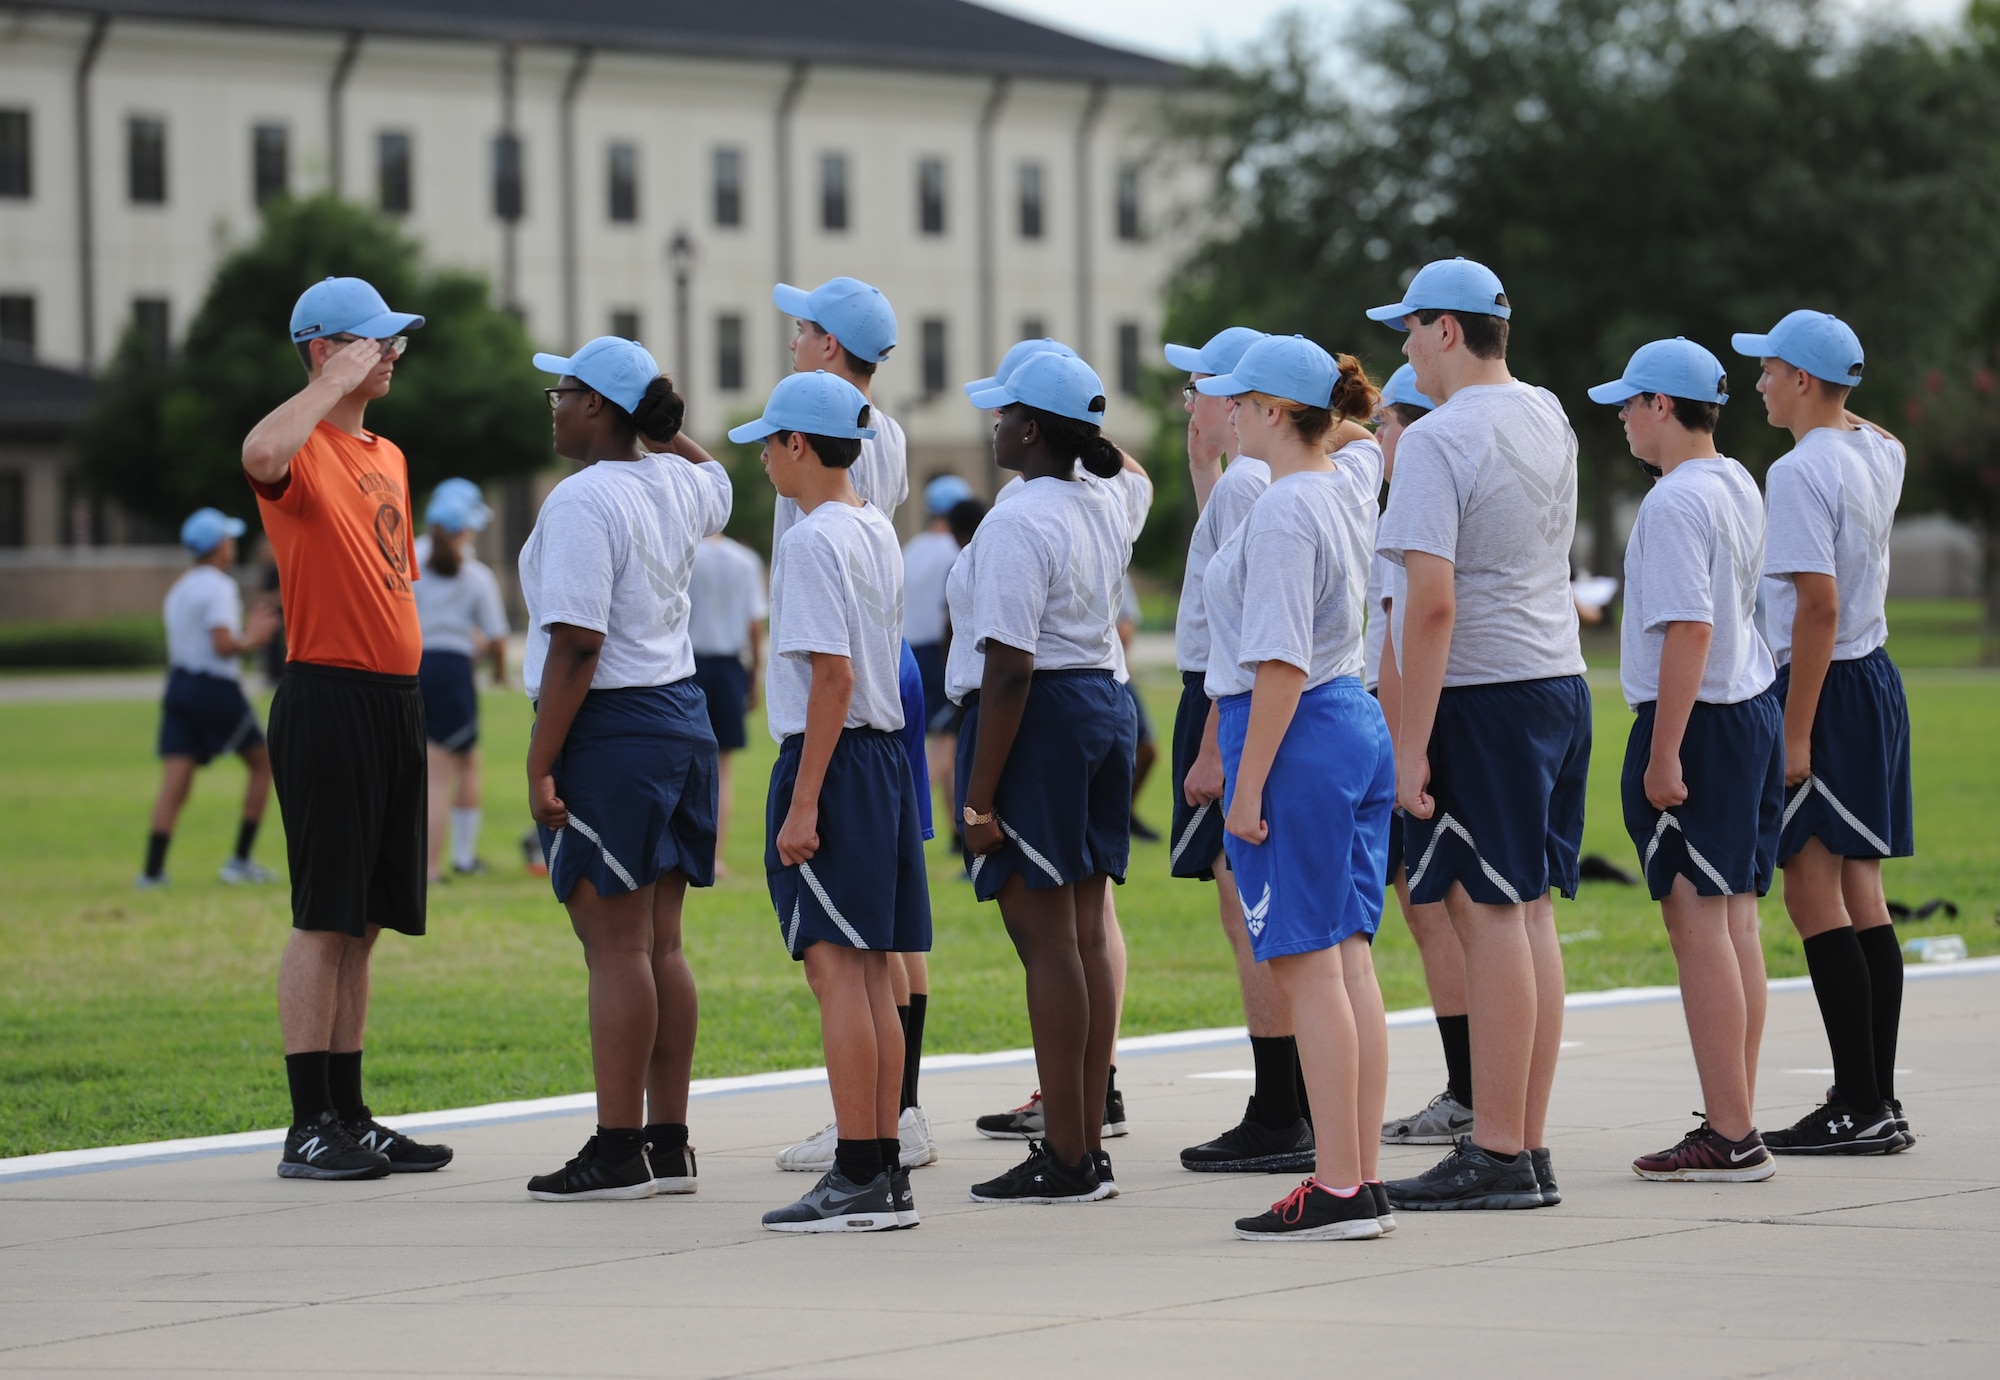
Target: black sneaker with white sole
1114,1114
1042,1178
904,1197
405,1156
597,1174
325,1150
1251,1147
1469,1178
1021,1123
1545,1176
1314,1212
1384,1217
837,1203
1835,1128
1902,1125
673,1166
1105,1177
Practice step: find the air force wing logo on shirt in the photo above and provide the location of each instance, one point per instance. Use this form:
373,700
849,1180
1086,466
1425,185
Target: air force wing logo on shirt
1256,917
664,578
884,610
1555,502
1095,607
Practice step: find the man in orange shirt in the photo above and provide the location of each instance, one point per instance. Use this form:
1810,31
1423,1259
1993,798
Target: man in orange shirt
347,723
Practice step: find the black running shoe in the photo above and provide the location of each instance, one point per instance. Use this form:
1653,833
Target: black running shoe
1902,1125
904,1197
1144,832
1114,1114
1838,1129
405,1155
836,1203
1022,1123
325,1150
1469,1177
1384,1218
594,1176
673,1169
1042,1178
1313,1212
1102,1160
1251,1147
1545,1177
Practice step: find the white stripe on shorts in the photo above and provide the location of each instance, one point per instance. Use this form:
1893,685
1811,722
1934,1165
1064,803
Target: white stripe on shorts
1445,821
1694,854
826,904
1028,850
1187,834
609,861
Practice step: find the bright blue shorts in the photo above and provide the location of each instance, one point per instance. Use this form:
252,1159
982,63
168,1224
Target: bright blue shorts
637,774
1857,801
451,702
205,717
1509,763
865,886
1197,829
1395,825
1724,836
1317,879
930,666
910,686
1065,797
725,689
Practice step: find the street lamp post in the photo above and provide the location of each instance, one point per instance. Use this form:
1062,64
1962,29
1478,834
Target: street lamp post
680,259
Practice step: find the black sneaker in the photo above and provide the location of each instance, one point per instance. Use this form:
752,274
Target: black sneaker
1545,1177
836,1203
903,1197
673,1168
1902,1125
594,1176
1114,1114
405,1155
1469,1177
1102,1160
1022,1123
1144,832
1251,1147
1837,1129
1314,1212
1042,1178
1384,1218
325,1150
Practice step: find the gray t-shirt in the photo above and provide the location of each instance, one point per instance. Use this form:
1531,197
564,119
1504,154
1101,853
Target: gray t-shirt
201,600
725,596
1830,505
1693,558
1380,577
837,587
927,563
452,608
1488,482
880,475
1228,504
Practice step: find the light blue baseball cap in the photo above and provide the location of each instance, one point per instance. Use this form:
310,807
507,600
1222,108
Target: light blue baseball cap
849,310
347,306
1017,355
208,528
1219,356
1448,285
462,486
819,404
944,493
1816,341
1284,366
619,369
1402,388
1062,384
457,506
1678,368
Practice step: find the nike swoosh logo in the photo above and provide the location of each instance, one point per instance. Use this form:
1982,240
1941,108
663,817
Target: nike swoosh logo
1737,1157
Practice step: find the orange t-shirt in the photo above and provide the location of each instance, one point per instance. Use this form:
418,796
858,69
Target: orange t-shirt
340,529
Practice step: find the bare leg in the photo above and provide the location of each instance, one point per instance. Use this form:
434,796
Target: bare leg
1549,983
1814,897
1712,999
1501,1004
1861,892
1437,946
350,1017
850,1033
1043,926
256,790
1329,1057
671,1062
617,936
899,979
1114,947
176,781
941,754
467,797
1264,1008
917,973
1371,1035
1102,949
309,989
1749,946
440,764
888,1053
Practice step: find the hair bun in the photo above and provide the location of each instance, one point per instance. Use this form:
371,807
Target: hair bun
660,412
1100,457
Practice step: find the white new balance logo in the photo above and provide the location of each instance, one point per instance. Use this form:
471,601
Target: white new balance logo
312,1149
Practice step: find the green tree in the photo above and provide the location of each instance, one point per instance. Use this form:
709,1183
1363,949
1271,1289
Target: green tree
167,434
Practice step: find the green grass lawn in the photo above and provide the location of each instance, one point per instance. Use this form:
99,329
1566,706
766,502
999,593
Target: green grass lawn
129,1016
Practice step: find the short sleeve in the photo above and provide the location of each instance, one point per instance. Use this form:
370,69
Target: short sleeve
290,494
1279,591
223,605
760,603
1424,503
579,565
1675,566
717,498
1014,572
813,616
1798,535
1137,491
492,613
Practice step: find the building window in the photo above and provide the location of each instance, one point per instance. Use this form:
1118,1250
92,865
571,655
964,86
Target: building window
15,159
624,183
1128,358
1128,202
152,321
146,160
13,508
1031,201
17,325
392,171
935,362
728,187
625,324
930,196
833,192
270,164
729,353
508,204
1034,328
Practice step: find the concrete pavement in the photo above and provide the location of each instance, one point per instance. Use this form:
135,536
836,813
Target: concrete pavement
1833,1268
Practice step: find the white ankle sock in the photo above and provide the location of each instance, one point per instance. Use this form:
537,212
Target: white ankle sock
464,837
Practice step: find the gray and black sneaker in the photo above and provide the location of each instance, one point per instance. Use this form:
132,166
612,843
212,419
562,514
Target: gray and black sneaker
837,1203
1313,1212
594,1176
1384,1218
1838,1129
904,1197
1545,1177
1469,1178
1114,1114
1102,1159
1902,1125
405,1156
325,1150
1022,1123
1042,1178
1443,1120
1251,1147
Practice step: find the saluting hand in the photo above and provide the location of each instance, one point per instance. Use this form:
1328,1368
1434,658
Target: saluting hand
350,366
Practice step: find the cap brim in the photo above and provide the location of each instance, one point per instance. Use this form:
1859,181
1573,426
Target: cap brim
1616,391
386,325
752,431
1186,357
792,301
235,527
981,385
1391,315
1755,346
997,395
1220,386
553,364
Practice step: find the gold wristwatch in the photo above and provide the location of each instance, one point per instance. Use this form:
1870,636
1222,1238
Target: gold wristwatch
973,817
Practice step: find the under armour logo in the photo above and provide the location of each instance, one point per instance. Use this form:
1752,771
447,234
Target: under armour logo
1834,1128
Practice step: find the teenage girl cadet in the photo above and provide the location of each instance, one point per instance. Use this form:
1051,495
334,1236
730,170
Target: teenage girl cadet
621,764
1703,783
726,609
1310,779
1829,503
458,604
1045,753
1493,735
927,562
1447,1116
204,714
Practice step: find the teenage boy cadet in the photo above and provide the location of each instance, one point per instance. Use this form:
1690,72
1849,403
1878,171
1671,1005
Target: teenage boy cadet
844,854
204,714
1704,774
347,723
1830,503
1493,734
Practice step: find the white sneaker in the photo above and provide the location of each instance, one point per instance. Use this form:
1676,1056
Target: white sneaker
242,871
814,1155
913,1129
144,882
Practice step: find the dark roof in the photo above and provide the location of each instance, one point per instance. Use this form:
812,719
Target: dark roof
39,400
952,35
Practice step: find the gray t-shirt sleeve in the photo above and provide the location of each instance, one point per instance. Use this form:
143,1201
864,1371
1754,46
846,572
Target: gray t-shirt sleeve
492,610
1799,533
1425,503
1280,588
579,564
1016,572
1675,563
816,598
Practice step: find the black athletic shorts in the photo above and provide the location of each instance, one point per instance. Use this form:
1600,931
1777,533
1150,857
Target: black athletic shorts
347,759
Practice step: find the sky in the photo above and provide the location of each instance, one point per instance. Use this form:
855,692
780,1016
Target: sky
1189,28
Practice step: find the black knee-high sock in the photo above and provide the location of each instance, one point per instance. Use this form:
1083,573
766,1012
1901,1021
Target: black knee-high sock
246,838
306,1073
1299,1080
343,1083
156,853
913,1044
1277,1086
1840,980
1885,993
1456,1034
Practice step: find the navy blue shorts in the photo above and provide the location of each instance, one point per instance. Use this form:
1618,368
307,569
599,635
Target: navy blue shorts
451,703
637,774
1142,722
1857,801
1317,879
1509,763
205,717
910,687
1197,829
930,666
865,887
1724,836
1065,797
725,686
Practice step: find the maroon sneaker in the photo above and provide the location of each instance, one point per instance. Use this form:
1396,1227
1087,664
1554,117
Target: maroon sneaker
1703,1157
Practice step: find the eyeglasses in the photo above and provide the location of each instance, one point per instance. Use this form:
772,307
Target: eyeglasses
1188,392
393,347
554,395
